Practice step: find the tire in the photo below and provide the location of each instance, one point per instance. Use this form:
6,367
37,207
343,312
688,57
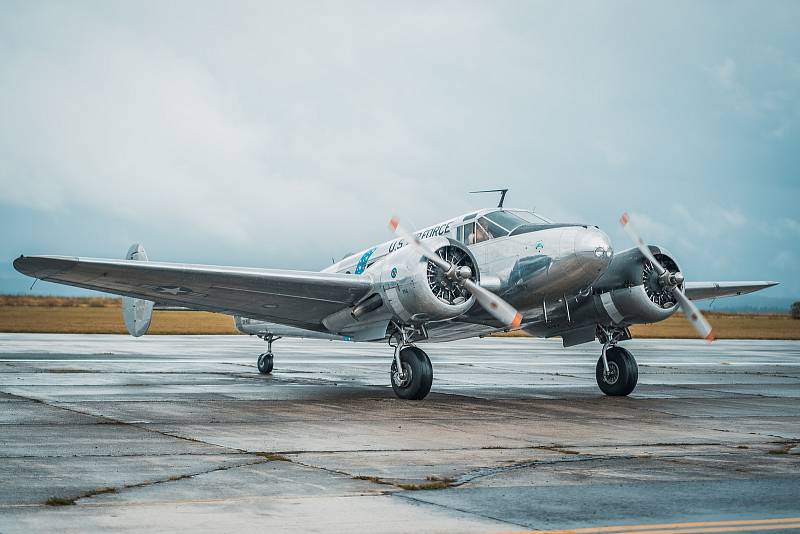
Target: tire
623,369
265,363
417,386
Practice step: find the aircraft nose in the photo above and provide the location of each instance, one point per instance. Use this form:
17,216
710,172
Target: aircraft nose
593,248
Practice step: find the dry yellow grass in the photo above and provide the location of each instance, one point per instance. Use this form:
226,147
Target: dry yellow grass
59,302
726,326
107,320
104,316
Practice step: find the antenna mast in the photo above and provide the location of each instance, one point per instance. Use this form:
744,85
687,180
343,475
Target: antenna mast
501,191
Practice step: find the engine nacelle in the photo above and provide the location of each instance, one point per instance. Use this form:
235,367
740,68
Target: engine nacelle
416,291
630,292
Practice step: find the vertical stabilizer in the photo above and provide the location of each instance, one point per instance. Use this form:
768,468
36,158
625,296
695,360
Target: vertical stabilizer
137,313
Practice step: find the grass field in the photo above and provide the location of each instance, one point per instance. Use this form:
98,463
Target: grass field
104,316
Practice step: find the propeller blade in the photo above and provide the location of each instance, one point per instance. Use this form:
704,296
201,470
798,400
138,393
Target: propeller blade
625,221
411,238
694,316
500,309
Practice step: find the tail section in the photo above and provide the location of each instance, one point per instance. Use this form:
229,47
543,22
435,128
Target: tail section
137,313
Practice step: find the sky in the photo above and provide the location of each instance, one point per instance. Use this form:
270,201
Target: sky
285,134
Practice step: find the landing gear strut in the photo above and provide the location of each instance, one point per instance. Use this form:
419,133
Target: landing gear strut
265,360
411,372
616,371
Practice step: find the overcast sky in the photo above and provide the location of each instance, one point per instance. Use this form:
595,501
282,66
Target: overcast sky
282,134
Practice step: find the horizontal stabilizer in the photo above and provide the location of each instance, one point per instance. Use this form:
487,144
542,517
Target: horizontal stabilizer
137,313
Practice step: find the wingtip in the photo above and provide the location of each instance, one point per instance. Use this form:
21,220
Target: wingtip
394,222
517,321
711,337
624,219
17,263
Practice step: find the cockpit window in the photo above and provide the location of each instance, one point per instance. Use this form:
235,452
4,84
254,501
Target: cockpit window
531,218
495,224
506,219
486,229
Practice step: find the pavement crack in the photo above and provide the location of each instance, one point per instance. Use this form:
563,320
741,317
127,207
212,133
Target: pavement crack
411,496
103,419
172,478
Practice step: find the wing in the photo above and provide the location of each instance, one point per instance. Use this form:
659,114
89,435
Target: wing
294,298
711,290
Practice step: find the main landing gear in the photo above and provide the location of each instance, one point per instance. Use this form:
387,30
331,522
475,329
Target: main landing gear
616,371
411,372
265,359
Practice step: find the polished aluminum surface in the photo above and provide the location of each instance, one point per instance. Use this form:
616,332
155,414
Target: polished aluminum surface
563,278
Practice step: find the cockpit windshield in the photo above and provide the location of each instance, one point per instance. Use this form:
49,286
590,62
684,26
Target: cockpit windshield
506,219
530,217
495,224
511,220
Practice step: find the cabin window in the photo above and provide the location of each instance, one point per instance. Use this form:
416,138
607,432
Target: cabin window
466,233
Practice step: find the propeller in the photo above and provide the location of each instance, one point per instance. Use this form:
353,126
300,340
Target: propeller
500,309
671,281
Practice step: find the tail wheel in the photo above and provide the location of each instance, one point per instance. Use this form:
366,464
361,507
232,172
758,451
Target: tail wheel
265,363
623,373
415,381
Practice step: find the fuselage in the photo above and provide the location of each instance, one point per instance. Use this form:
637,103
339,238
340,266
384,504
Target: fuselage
533,263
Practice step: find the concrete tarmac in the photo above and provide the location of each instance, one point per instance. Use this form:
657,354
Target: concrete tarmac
181,432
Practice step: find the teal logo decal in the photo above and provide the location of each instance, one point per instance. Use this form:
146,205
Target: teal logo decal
362,263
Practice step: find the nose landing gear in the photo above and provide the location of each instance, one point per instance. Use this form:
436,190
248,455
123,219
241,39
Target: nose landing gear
616,372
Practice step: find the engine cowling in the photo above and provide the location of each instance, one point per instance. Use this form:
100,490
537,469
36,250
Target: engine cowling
630,291
417,291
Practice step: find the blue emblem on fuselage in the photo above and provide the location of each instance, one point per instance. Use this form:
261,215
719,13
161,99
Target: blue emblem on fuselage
362,263
394,272
539,245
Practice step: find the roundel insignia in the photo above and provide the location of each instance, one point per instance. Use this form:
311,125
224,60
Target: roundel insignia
394,272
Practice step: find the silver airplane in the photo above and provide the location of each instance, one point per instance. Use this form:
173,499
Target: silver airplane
490,270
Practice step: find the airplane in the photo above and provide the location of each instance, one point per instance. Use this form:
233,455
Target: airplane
490,270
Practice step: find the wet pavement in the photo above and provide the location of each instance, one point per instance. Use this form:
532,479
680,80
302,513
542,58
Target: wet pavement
181,432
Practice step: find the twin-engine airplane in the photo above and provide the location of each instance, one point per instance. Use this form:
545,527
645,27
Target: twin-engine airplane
487,271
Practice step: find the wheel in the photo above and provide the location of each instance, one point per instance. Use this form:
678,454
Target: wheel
418,374
265,363
623,373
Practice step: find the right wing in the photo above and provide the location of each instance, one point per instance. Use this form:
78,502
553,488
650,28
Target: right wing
712,290
294,298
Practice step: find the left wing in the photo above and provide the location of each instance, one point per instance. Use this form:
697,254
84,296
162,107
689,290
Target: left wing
711,290
294,298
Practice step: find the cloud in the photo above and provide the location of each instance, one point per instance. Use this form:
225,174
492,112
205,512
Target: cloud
786,260
726,74
791,225
279,136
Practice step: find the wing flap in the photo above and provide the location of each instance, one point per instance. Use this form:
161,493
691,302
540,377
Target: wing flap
295,298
